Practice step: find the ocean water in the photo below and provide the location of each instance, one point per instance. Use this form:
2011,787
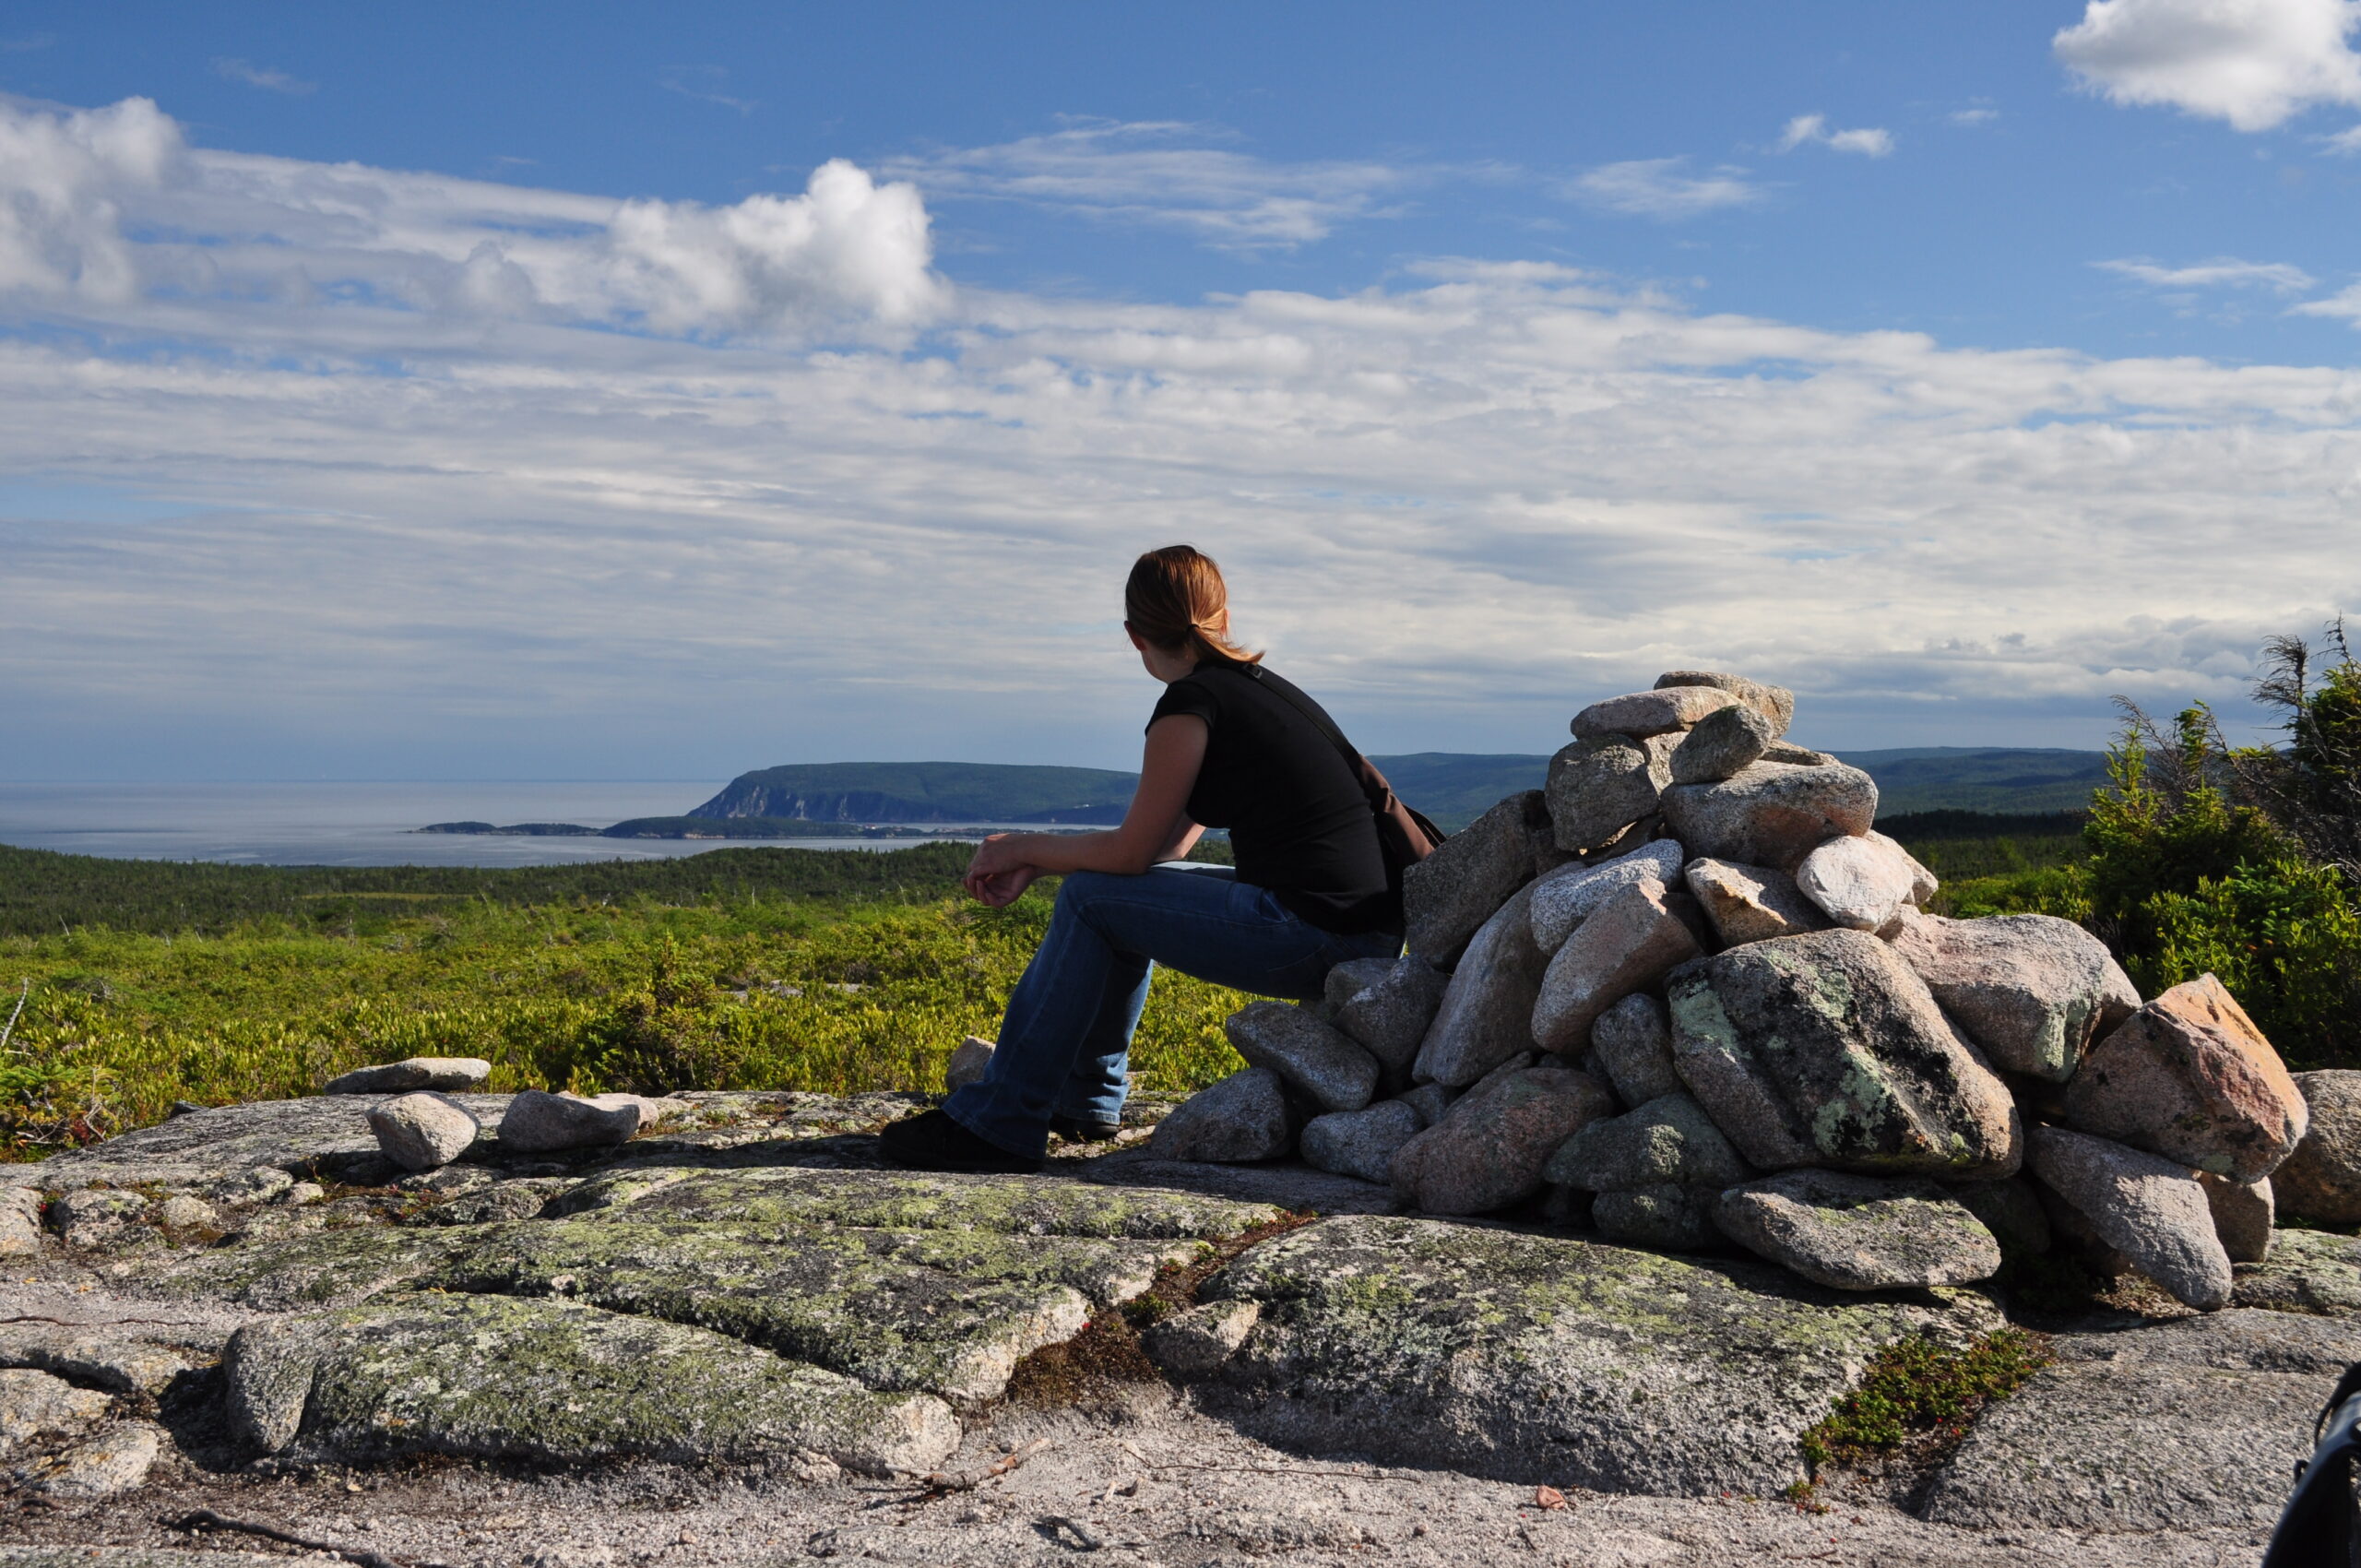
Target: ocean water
357,824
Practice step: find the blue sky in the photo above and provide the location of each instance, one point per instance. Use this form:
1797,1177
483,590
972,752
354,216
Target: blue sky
540,390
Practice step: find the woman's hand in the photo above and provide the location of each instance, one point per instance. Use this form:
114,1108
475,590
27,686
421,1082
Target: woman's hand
999,873
1002,888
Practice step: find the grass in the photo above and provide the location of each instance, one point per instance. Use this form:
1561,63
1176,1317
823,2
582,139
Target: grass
1918,1398
864,984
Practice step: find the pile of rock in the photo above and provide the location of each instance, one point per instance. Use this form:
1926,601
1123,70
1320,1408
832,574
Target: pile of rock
426,1129
1688,993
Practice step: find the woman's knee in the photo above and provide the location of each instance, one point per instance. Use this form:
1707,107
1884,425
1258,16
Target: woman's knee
1082,888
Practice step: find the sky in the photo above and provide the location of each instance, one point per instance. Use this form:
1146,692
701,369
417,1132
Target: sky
582,391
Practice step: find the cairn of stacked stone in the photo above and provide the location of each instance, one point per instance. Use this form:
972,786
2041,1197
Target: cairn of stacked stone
1687,995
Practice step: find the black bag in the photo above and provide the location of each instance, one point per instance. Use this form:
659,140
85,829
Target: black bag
1404,837
2321,1527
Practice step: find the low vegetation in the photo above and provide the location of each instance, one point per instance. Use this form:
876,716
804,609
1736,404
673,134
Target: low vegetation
1918,1397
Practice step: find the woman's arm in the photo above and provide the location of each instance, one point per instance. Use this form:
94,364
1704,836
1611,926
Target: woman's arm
1155,827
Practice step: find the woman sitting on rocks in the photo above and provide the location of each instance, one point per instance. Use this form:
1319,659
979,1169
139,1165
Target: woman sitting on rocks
1231,746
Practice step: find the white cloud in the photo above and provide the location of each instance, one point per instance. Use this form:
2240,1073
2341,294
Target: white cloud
703,83
2221,272
269,78
2345,303
450,521
1663,187
73,184
1976,117
2345,143
2253,63
1811,130
1163,174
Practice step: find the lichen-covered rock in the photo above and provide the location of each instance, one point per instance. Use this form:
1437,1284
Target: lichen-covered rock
1448,896
1723,744
1770,814
141,1358
1668,1141
2321,1180
1241,1118
1317,1061
1387,1008
2032,991
2243,1215
1631,941
20,1210
1859,1232
422,1130
1361,1143
2189,1076
1746,904
115,1459
2309,1271
1596,789
487,1377
1487,1012
538,1123
1566,897
95,1215
1597,1366
1197,1341
1826,1050
970,1060
1775,702
457,1075
35,1404
1632,1042
2149,1209
1488,1152
1864,883
1658,712
1665,1215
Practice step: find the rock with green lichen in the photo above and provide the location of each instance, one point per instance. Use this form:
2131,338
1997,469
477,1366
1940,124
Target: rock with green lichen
1859,1232
2309,1271
1548,1359
1826,1050
489,1377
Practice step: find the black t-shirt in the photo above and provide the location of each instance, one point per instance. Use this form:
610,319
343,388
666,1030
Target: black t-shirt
1298,820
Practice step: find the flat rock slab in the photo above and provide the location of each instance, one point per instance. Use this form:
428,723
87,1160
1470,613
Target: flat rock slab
1543,1359
2132,1446
493,1378
1274,1191
2240,1340
2309,1271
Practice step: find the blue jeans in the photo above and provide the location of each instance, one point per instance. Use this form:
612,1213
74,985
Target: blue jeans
1067,1033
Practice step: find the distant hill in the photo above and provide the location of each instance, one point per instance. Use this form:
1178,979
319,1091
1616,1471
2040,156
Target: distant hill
1452,787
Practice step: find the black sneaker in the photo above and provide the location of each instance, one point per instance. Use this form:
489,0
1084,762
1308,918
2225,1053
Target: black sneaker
932,1141
1084,1130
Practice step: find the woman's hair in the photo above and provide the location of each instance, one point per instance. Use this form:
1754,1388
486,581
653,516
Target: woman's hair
1176,599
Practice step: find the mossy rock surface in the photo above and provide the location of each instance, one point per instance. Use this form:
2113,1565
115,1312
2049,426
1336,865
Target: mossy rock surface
1548,1359
491,1377
2308,1271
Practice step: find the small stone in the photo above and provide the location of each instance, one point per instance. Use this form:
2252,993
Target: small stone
1770,814
423,1131
2012,1210
1242,1119
2189,1076
2321,1180
1389,1017
2148,1209
2243,1215
1799,756
1722,745
1197,1341
1361,1143
1668,1142
1596,789
19,1222
1775,702
538,1123
1630,943
1487,1012
1750,903
1448,897
1488,1153
114,1461
94,1215
1854,1232
969,1060
1318,1062
297,1194
1862,883
1430,1101
1350,979
1632,1042
1828,1050
2032,991
182,1213
453,1074
1669,1217
1658,712
35,1404
1566,897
